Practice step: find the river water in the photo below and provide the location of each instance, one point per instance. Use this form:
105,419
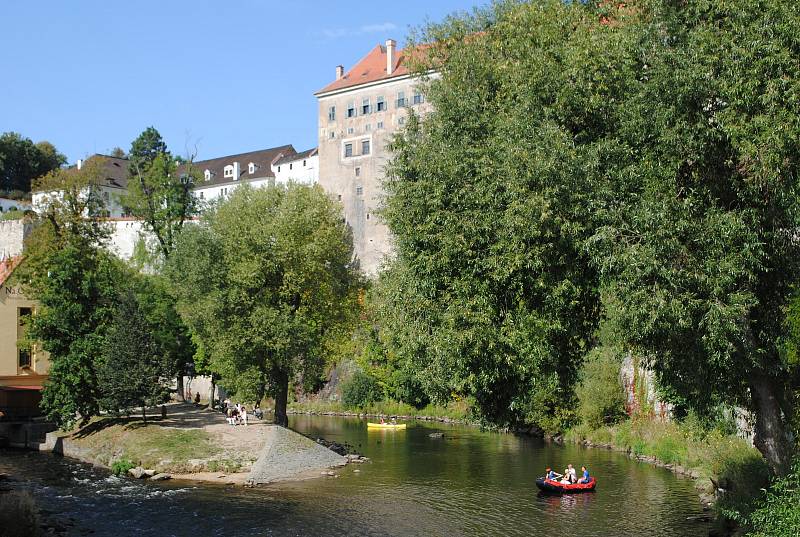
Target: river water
468,483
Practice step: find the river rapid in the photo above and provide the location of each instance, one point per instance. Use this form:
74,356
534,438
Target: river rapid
469,482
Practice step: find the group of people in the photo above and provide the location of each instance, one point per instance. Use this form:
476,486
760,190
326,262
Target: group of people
569,477
237,414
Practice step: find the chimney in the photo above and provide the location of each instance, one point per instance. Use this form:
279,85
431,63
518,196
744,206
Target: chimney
236,171
339,72
80,163
391,44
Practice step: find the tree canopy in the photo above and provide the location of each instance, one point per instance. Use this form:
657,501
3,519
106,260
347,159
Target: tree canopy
22,161
633,162
260,282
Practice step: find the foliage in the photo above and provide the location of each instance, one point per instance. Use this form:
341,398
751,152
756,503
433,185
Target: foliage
492,293
261,282
360,390
777,513
135,368
159,192
121,466
74,280
12,214
601,398
22,161
697,190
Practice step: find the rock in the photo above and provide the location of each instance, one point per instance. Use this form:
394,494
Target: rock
353,456
364,459
436,435
356,460
694,474
149,473
356,471
137,472
161,477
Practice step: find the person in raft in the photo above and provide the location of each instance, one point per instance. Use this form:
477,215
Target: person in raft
551,475
572,475
585,478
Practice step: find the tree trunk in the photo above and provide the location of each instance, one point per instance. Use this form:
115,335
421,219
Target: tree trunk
180,388
281,397
770,431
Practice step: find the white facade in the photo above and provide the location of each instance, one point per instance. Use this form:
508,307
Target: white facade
112,207
303,170
211,193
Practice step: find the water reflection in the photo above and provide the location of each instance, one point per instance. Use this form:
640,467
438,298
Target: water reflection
467,483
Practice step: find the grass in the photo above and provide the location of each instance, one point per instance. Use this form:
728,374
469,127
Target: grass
714,459
151,446
457,410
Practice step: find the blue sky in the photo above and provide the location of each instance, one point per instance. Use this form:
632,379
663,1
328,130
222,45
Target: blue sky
222,76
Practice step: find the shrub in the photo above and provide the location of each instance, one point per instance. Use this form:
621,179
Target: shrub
121,466
19,516
360,391
777,513
601,398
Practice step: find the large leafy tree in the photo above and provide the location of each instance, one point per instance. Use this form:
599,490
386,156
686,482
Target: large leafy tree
699,196
492,293
260,282
74,279
22,161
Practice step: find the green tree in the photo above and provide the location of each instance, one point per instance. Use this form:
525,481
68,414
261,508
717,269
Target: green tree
261,282
158,192
135,370
699,195
22,161
492,293
74,279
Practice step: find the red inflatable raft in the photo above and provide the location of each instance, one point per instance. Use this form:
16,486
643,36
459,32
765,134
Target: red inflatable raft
554,487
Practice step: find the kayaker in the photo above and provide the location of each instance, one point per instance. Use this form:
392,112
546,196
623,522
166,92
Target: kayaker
585,478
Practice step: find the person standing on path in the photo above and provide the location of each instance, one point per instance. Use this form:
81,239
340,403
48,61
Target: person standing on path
244,415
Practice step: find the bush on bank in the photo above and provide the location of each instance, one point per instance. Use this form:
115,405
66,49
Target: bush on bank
777,511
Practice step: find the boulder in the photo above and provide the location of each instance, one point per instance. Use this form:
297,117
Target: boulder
150,473
436,435
137,473
161,477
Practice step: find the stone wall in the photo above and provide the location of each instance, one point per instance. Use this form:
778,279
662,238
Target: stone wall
12,237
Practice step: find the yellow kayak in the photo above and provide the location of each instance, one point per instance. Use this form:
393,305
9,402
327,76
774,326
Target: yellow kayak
371,425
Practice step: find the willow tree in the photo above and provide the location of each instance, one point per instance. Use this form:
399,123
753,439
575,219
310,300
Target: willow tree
699,192
492,293
260,282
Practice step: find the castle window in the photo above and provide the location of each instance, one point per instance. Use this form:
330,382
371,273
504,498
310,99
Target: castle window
401,99
359,191
348,150
227,171
251,168
331,113
304,163
380,125
365,107
358,172
207,175
351,109
365,147
380,106
418,98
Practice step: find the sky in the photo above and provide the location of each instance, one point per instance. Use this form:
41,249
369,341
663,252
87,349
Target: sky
214,77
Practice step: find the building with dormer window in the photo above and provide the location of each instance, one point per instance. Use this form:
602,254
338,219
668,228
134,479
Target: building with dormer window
221,176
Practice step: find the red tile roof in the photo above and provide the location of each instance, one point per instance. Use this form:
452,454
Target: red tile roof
7,266
371,68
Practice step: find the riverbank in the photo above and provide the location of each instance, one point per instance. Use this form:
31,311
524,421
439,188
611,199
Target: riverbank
197,444
453,413
728,472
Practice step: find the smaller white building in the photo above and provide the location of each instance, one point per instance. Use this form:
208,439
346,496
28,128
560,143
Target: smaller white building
219,177
110,184
300,168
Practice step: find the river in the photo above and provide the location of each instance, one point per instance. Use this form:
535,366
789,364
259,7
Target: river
468,483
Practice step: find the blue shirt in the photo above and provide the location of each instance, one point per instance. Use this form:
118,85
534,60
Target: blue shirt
586,474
